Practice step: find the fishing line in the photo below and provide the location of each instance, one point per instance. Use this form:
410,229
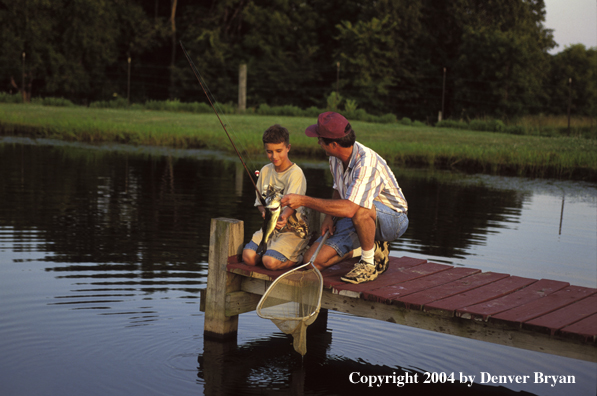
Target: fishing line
211,102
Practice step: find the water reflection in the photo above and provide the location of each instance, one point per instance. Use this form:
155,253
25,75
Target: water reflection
103,252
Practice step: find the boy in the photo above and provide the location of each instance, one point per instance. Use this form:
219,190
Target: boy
286,245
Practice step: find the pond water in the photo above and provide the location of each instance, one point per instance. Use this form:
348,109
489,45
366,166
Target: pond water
103,250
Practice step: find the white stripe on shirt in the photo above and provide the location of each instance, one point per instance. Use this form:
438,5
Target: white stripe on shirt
367,178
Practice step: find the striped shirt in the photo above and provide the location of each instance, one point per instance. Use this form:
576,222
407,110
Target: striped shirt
368,178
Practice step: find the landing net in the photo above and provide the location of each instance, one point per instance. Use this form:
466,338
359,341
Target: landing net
293,301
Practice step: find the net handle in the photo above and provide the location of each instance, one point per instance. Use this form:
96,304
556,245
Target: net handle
325,236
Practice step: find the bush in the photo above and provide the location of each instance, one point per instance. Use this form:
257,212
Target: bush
313,111
333,101
118,103
406,121
388,119
8,98
59,102
452,124
515,129
350,106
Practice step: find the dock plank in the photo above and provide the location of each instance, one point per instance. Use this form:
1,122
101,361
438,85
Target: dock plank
481,294
530,293
397,293
392,288
542,306
398,271
584,330
563,317
420,299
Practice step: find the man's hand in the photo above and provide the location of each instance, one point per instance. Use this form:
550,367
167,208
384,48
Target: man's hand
328,224
293,201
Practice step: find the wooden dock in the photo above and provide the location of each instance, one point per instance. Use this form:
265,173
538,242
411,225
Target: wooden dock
541,315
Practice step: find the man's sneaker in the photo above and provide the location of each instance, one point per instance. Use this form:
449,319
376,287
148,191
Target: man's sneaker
381,256
362,272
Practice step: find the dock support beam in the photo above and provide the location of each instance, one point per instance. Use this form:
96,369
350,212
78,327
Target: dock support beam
226,238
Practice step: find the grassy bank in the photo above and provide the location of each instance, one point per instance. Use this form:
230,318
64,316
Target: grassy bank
489,152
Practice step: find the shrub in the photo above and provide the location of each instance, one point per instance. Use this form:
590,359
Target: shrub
515,129
59,102
8,98
350,106
388,119
118,103
406,121
313,111
452,124
333,101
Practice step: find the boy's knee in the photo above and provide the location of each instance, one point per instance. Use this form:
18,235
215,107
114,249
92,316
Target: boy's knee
250,257
274,264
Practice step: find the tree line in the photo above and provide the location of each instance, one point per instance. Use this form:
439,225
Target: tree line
411,58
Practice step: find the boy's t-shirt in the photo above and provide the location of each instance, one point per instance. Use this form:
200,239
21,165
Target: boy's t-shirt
291,181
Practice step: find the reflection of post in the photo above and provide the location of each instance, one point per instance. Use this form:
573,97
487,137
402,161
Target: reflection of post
216,370
238,179
562,214
226,240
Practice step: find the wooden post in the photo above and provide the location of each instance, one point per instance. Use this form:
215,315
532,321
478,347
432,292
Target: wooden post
226,240
569,101
128,84
242,87
443,95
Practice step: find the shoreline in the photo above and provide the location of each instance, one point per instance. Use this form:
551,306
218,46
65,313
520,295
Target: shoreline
493,153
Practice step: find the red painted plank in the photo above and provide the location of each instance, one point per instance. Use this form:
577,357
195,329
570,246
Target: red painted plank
388,291
393,275
542,306
332,275
396,292
481,294
247,270
585,330
340,268
419,299
530,293
563,317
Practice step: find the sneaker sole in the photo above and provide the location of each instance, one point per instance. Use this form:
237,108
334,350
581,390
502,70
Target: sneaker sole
383,248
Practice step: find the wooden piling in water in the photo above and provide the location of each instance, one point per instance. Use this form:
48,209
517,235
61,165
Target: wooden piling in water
226,239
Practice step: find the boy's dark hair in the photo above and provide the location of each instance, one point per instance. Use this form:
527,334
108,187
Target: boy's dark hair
276,134
345,141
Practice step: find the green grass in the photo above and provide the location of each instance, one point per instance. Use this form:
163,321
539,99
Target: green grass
402,145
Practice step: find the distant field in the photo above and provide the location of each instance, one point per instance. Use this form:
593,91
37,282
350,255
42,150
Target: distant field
444,148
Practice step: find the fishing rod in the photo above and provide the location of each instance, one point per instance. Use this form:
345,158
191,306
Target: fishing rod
198,75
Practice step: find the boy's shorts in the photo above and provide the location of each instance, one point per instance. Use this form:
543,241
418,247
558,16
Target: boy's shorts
389,226
270,252
282,246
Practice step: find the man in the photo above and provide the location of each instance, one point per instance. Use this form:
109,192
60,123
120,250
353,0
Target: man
367,208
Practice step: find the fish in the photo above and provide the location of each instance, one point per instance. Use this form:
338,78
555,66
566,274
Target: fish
273,208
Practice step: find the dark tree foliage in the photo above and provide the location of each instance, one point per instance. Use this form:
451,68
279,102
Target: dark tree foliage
386,56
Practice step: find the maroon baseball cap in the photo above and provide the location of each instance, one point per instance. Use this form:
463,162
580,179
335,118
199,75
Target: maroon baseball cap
329,125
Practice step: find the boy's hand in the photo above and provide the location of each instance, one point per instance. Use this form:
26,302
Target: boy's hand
261,209
281,223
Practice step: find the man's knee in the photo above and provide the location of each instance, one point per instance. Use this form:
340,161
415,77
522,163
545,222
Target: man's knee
363,215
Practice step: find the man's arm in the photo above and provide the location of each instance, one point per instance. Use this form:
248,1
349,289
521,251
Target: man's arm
332,207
